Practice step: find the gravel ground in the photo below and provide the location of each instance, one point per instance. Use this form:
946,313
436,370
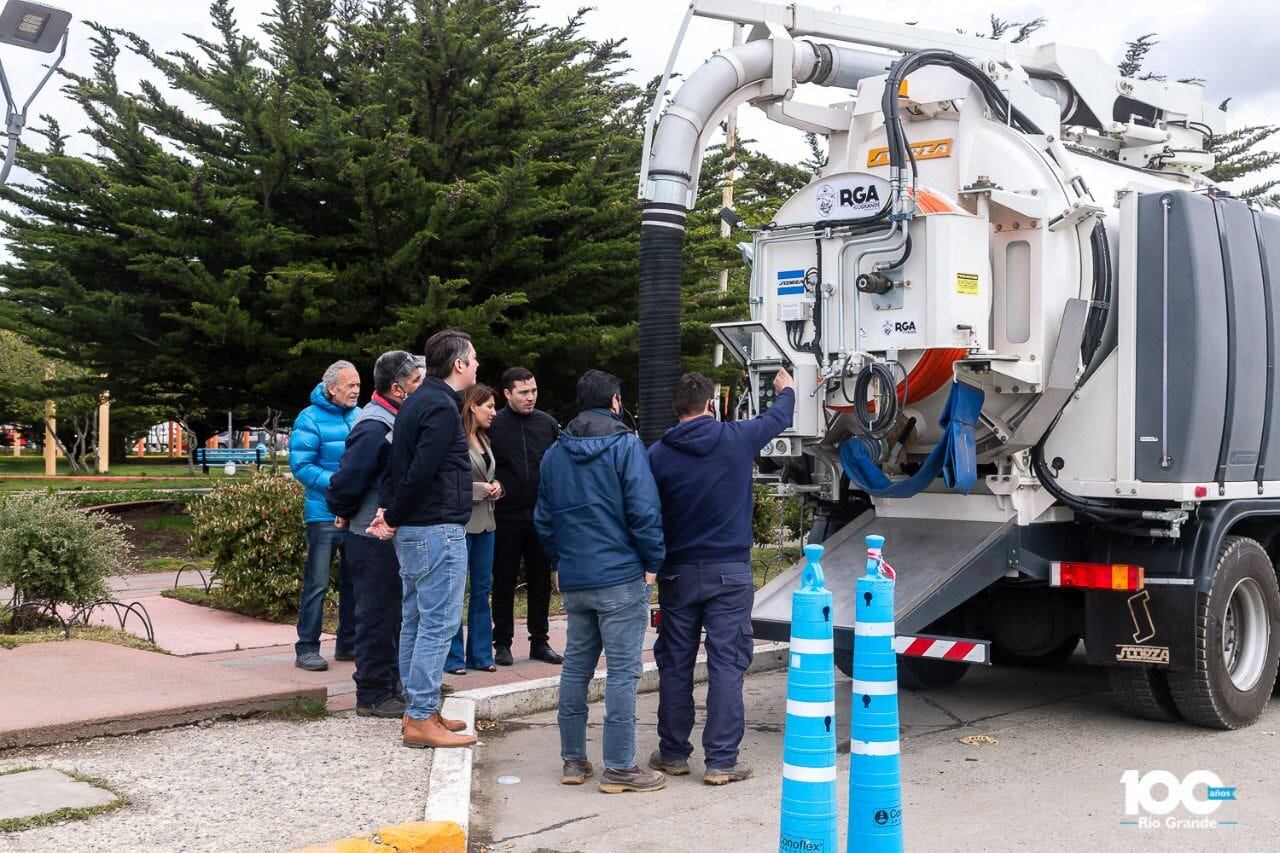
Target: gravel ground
237,785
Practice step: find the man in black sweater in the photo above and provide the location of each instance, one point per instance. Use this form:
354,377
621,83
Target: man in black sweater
427,500
520,435
353,496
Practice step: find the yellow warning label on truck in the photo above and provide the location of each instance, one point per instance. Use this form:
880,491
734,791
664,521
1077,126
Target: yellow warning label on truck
967,283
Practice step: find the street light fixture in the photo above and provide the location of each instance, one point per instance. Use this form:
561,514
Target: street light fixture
35,27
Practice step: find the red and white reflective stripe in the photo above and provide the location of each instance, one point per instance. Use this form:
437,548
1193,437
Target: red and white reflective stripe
961,651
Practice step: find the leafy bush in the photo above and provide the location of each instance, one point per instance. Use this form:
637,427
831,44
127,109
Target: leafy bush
796,516
53,552
254,532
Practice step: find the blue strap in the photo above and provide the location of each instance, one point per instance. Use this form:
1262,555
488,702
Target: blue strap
955,457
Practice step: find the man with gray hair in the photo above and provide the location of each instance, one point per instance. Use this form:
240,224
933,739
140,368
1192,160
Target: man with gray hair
315,446
375,571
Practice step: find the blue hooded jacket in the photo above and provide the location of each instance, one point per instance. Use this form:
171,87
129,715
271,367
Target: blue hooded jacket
703,470
598,515
315,447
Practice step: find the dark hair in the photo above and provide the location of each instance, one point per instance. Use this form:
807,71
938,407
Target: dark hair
690,394
476,395
512,375
443,349
393,368
596,389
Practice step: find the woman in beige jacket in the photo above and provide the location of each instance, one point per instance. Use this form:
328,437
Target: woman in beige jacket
478,410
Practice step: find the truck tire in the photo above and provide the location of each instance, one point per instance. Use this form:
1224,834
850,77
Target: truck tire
1237,641
1144,692
928,674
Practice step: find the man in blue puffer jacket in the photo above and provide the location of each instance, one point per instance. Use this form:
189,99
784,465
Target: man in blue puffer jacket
600,522
315,447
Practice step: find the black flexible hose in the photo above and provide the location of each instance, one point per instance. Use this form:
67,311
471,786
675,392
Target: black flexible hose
887,408
661,242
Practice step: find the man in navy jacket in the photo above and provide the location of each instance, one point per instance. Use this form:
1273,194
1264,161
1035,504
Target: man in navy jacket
353,498
703,471
599,520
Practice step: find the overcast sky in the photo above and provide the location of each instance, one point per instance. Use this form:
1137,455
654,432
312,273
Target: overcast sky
1232,45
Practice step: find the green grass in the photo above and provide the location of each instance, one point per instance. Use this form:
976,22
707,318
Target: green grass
312,710
169,524
97,633
19,824
765,565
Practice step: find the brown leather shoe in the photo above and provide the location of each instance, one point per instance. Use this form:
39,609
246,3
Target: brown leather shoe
451,725
431,734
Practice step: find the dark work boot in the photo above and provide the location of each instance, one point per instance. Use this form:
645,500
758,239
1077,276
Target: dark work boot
387,709
725,775
575,772
502,656
670,766
633,780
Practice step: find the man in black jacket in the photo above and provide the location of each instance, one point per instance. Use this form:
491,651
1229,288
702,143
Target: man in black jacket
520,435
427,500
353,497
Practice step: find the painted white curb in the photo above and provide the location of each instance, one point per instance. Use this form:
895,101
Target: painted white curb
449,781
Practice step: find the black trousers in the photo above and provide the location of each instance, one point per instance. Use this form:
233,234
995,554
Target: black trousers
375,576
515,541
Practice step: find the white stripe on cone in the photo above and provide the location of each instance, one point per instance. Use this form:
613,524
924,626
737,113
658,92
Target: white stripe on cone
876,747
809,774
875,688
873,629
796,708
811,647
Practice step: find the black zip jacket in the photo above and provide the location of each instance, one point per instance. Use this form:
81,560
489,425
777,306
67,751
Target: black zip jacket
430,480
519,443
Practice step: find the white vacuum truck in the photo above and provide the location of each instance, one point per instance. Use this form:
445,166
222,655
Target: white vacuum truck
1034,347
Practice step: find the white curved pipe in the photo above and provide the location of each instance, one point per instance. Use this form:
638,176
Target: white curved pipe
709,91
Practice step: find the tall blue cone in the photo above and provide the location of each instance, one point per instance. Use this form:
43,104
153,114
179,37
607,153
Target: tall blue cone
810,812
875,780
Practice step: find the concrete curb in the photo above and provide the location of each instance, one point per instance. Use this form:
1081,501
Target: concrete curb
449,781
530,697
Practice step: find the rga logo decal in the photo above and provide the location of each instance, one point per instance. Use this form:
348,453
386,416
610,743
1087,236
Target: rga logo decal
931,149
854,196
899,327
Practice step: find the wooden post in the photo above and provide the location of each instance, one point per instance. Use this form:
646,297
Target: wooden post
103,462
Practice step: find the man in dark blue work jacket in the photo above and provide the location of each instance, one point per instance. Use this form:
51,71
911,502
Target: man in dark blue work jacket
703,470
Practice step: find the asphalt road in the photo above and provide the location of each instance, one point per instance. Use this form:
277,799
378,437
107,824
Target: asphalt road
1051,782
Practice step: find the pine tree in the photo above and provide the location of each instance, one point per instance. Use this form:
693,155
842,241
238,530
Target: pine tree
369,173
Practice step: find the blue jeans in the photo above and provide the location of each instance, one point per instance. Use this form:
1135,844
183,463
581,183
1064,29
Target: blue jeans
323,539
479,646
612,618
433,565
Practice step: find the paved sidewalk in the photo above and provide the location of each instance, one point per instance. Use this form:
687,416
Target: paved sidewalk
61,691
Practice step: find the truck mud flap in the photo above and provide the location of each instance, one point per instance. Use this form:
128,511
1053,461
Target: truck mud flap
940,564
1153,626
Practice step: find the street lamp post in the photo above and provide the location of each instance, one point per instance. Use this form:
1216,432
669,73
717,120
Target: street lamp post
35,27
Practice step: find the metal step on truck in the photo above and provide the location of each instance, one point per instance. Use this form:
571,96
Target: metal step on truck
1034,347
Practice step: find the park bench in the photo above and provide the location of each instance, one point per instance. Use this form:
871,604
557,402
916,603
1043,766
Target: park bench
218,456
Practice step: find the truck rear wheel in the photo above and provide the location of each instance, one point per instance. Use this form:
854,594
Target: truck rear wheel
1237,641
1144,692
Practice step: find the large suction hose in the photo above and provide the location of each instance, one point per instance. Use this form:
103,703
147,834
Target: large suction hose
705,96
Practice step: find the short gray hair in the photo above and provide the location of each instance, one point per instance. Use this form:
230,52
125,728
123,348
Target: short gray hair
396,367
331,373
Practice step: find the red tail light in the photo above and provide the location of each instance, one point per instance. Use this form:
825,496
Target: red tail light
1119,576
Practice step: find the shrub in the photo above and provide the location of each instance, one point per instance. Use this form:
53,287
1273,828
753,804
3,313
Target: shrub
254,532
796,516
53,552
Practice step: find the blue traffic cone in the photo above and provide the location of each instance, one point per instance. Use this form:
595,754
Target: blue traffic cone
810,813
875,780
